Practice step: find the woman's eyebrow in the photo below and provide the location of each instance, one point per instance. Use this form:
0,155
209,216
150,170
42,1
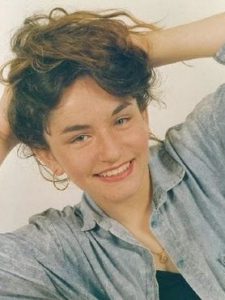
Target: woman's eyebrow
77,127
120,107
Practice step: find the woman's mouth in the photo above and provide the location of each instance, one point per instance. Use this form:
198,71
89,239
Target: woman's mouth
117,174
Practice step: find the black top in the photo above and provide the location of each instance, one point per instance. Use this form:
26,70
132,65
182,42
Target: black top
172,286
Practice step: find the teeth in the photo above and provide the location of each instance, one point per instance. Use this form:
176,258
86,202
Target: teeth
115,172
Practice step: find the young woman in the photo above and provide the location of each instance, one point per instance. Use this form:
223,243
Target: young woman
151,224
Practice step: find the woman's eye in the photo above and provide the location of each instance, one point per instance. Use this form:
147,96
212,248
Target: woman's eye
80,139
122,121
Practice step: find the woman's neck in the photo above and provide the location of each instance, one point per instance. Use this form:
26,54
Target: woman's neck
134,213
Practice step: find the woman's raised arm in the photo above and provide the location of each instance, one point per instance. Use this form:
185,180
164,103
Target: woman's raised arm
7,139
194,40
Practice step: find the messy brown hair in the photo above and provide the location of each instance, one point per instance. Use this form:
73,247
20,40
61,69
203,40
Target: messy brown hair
52,51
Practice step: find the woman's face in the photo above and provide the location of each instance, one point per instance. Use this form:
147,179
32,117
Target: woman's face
100,141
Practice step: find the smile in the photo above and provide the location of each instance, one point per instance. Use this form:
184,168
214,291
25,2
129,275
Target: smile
117,174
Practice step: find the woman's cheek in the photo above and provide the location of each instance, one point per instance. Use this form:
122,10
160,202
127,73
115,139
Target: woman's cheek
80,164
139,137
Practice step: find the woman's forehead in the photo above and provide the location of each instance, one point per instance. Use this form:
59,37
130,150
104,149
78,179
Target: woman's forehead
86,88
85,95
85,101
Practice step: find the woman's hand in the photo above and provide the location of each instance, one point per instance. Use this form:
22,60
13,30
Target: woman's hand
7,139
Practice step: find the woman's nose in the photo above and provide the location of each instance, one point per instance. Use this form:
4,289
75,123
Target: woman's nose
109,149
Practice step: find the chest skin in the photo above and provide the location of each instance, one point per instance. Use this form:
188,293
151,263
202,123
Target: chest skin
149,241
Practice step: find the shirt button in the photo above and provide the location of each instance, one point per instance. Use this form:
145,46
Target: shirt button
154,223
180,263
222,259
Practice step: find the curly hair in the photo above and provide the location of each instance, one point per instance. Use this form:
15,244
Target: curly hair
52,51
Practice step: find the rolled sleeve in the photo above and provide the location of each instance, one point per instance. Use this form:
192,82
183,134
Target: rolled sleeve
220,55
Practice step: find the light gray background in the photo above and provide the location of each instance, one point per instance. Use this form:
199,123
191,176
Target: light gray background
22,190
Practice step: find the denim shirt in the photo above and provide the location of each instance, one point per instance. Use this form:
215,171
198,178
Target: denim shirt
81,253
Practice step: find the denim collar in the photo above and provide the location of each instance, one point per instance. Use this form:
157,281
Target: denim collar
92,214
166,173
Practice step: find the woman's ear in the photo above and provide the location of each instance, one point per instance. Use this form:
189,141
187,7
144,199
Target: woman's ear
46,158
